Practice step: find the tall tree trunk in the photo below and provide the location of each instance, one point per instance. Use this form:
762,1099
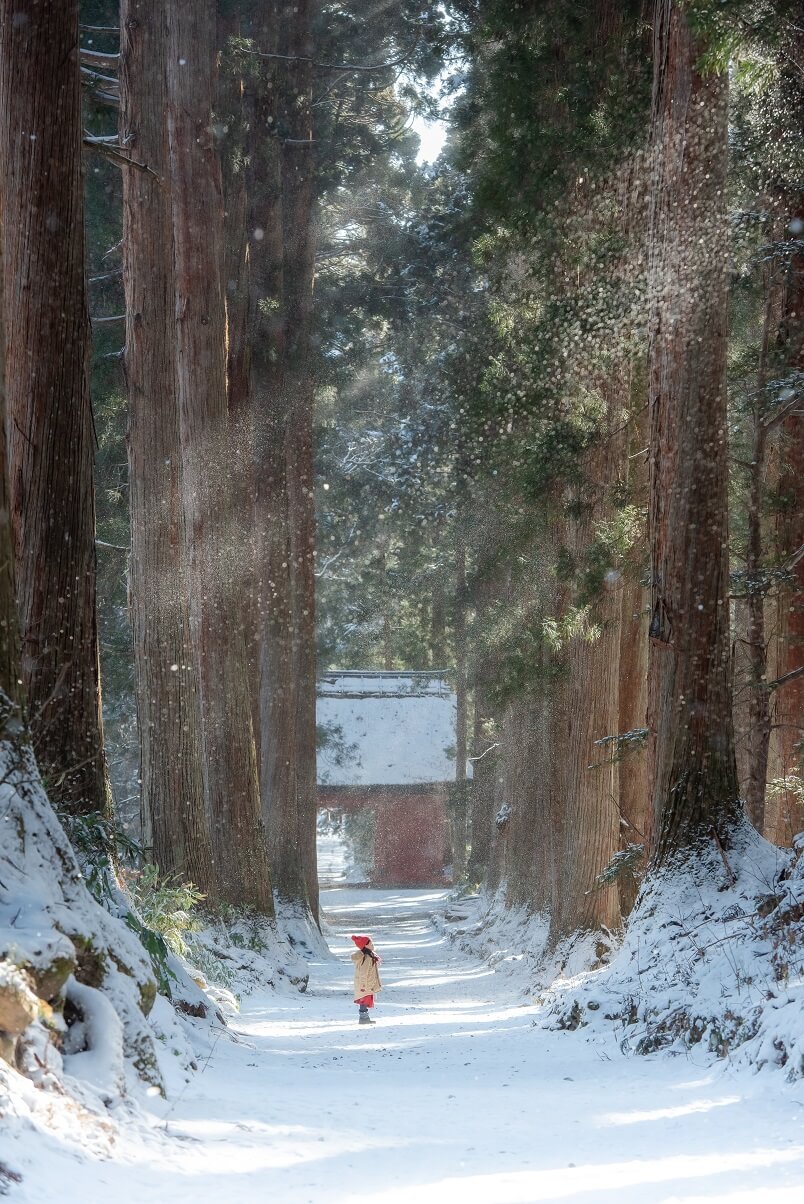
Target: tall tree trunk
235,108
757,702
10,688
525,838
280,190
752,710
632,696
172,786
690,714
438,627
237,117
272,401
788,698
632,769
299,225
585,702
460,801
591,829
277,692
526,777
212,555
50,435
302,524
496,777
485,746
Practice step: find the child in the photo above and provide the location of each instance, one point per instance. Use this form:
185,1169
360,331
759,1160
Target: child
367,977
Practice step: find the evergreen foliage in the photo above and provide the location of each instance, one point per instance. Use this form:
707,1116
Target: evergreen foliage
481,327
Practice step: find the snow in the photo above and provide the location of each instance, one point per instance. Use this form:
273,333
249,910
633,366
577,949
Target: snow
457,1093
701,962
386,729
335,867
709,961
44,913
98,1040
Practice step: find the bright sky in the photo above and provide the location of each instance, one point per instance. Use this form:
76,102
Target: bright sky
432,135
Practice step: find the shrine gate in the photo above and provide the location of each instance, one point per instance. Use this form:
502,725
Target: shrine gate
387,743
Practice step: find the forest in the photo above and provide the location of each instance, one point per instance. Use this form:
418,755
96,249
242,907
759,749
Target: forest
440,360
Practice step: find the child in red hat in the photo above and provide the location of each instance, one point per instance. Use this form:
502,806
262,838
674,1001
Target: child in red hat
367,977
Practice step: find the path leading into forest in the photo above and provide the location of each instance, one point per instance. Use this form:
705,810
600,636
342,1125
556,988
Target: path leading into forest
454,1096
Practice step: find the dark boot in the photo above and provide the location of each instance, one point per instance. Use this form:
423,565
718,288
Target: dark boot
363,1017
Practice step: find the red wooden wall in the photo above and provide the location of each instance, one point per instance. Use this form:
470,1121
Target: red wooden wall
411,841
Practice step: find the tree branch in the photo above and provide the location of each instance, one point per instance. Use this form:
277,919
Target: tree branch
115,153
773,420
793,560
97,58
784,679
95,77
349,67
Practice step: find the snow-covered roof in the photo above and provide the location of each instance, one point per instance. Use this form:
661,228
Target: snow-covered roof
385,729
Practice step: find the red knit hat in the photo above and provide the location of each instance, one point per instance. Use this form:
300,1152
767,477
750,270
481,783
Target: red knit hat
361,941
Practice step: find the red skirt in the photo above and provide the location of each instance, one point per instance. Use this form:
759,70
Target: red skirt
367,1001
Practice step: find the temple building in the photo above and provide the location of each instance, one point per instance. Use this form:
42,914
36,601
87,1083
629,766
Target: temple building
387,749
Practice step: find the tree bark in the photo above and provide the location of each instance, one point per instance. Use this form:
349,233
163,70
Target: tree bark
50,432
485,747
280,189
787,703
174,818
690,712
301,504
438,627
632,770
213,555
526,779
758,710
299,228
239,118
268,338
460,803
632,697
10,688
752,701
584,707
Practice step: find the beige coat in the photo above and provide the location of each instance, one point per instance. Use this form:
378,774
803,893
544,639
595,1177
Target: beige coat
367,975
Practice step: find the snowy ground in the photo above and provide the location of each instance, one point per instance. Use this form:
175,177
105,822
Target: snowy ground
454,1095
334,865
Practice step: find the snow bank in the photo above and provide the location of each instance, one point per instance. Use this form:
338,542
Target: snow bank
52,927
238,953
510,940
89,964
712,958
103,1039
513,941
93,1048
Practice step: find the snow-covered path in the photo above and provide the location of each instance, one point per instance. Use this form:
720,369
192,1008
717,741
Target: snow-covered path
452,1096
